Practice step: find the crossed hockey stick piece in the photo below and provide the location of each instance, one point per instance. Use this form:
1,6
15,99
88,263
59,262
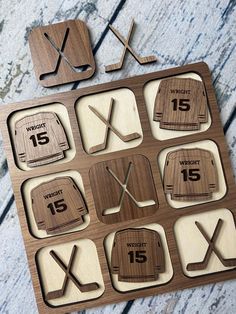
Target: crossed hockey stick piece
125,42
68,275
61,56
107,122
125,190
227,262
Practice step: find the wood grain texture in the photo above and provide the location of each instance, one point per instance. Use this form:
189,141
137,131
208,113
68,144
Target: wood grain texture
126,183
61,53
150,148
180,104
211,28
125,41
190,174
58,205
137,255
40,139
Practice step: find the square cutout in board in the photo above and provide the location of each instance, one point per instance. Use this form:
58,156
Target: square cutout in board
211,242
109,121
192,174
177,106
47,206
70,272
138,257
41,135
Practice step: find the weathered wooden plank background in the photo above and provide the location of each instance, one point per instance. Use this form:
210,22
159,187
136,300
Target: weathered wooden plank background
177,32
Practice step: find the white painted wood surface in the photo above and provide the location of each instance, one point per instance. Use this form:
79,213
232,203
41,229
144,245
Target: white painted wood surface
177,32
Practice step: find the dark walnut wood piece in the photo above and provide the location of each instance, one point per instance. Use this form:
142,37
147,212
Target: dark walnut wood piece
69,275
125,184
125,42
137,255
181,104
58,205
97,230
190,175
40,139
227,262
61,53
110,127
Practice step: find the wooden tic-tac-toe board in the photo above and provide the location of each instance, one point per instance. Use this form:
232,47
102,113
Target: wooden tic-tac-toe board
123,189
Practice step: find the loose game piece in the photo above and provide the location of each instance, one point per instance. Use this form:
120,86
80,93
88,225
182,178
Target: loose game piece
125,42
137,255
190,174
40,139
61,53
180,104
58,205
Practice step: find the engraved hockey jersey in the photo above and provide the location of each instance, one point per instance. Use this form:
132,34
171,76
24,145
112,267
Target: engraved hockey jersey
190,174
180,104
58,205
40,139
137,255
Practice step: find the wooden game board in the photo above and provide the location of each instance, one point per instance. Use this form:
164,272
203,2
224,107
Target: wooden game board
175,223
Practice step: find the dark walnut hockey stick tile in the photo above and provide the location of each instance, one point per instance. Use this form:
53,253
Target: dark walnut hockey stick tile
61,53
123,189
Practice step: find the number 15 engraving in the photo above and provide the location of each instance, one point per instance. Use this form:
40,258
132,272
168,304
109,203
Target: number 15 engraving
137,256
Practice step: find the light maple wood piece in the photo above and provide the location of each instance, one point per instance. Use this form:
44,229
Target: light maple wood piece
61,53
137,255
227,262
125,42
109,126
190,174
126,184
181,104
58,205
40,139
69,275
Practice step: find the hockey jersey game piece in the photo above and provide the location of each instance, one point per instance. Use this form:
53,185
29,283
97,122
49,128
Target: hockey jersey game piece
137,255
190,174
40,139
58,205
181,104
